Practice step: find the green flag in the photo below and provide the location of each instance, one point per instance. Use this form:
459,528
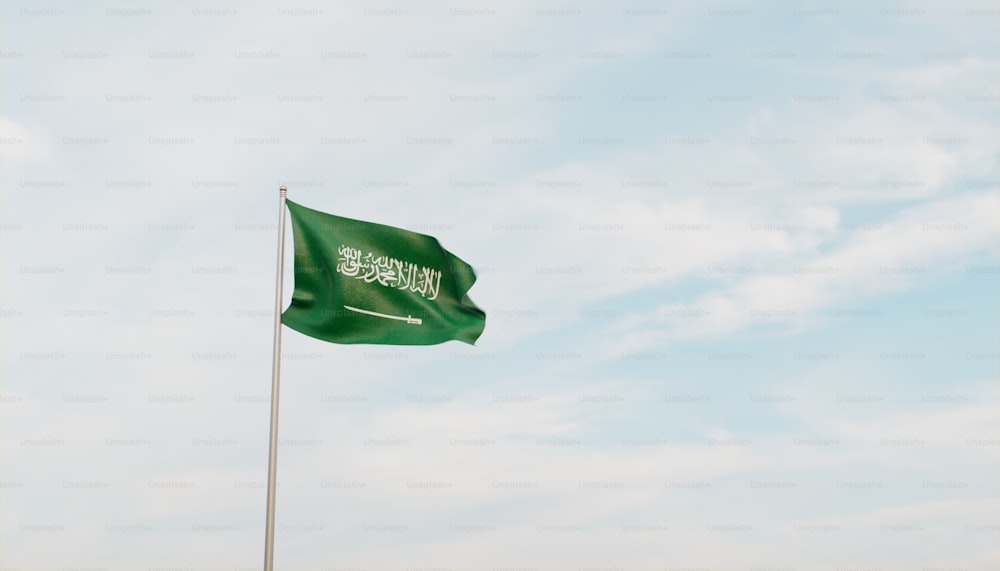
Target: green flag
361,282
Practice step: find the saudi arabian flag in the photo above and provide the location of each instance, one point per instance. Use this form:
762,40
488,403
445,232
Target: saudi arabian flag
360,282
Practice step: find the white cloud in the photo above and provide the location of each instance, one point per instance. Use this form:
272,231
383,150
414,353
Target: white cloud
920,243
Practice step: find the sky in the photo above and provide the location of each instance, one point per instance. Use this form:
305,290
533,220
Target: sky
739,262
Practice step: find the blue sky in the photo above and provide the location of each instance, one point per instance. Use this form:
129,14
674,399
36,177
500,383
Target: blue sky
739,263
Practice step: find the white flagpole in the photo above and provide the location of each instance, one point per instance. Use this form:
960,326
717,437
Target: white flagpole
272,461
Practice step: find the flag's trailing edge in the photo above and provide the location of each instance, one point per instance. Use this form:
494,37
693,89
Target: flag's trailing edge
361,282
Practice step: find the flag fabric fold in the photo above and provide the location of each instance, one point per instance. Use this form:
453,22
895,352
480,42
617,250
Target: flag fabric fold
362,282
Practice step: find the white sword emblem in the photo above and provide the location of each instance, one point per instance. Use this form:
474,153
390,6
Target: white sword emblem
408,319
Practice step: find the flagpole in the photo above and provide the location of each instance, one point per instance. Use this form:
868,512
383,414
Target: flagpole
272,461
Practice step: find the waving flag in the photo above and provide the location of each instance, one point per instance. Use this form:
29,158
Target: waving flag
361,282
